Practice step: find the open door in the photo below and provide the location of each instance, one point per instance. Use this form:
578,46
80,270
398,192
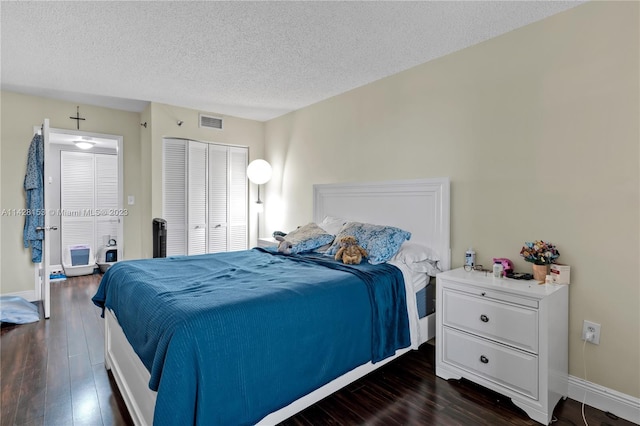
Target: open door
43,284
46,244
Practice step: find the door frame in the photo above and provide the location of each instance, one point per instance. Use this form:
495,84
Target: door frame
119,152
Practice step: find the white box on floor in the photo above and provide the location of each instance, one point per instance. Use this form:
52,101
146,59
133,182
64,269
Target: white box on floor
78,260
561,273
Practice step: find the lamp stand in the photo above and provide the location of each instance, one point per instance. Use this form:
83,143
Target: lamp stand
259,208
259,172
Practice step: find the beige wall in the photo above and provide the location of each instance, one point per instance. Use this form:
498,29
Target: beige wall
19,114
162,122
539,132
142,166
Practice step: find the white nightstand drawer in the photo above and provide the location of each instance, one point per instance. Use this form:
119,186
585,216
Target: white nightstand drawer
503,322
500,296
507,367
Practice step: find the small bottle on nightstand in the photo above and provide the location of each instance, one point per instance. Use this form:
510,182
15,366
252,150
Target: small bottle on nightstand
470,258
497,269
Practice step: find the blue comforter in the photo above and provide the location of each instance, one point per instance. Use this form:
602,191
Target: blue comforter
231,337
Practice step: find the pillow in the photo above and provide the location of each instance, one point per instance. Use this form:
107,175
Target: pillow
381,242
418,258
308,238
332,224
323,249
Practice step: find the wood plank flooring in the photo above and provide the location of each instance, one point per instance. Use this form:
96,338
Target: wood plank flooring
52,373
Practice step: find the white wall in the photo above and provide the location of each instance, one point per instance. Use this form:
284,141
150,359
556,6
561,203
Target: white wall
539,132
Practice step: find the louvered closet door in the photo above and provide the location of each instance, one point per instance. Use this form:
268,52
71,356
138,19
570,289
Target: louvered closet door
238,206
106,179
218,198
77,187
174,196
197,210
212,216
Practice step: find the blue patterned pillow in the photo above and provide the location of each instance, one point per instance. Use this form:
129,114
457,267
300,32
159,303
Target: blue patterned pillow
307,238
381,242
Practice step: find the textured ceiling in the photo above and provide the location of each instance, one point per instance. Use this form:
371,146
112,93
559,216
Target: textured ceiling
255,60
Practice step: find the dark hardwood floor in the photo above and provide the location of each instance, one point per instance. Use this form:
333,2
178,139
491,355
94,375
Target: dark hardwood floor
52,373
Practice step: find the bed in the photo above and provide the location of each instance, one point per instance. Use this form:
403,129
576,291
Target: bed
240,348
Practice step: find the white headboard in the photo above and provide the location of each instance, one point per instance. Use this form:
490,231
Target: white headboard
419,206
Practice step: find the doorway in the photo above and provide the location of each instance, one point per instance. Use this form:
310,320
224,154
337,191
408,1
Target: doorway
72,219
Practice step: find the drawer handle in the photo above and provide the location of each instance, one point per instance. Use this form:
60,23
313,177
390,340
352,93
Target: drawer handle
484,359
484,318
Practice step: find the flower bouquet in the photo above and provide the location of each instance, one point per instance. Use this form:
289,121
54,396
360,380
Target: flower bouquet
541,254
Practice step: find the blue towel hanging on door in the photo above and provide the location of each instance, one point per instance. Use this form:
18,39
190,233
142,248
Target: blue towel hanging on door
34,189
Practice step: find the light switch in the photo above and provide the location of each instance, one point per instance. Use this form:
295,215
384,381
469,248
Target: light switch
131,200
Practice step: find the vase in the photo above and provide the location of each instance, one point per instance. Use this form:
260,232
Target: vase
540,272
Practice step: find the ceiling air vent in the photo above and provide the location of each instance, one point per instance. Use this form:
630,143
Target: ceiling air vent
210,122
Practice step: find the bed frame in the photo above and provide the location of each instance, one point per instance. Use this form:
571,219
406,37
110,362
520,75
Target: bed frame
420,206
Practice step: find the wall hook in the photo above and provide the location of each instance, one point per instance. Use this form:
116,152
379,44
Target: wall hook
180,122
144,124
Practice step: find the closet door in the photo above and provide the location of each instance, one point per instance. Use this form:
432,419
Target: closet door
204,197
174,196
106,179
77,187
228,227
218,198
197,203
238,195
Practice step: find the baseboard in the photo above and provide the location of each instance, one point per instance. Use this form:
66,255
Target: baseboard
28,295
605,399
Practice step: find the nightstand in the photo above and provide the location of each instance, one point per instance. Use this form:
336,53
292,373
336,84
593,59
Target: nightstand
507,335
267,242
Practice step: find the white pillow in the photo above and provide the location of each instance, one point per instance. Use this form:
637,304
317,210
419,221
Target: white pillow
418,258
332,224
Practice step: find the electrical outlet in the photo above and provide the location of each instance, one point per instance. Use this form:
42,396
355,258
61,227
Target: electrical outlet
593,329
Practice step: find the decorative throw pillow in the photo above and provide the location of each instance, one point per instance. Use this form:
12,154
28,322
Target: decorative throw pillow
307,238
381,242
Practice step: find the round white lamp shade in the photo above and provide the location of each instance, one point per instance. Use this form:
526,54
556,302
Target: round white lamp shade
259,172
